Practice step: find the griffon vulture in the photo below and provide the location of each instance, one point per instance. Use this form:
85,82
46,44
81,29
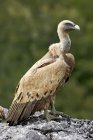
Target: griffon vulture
38,86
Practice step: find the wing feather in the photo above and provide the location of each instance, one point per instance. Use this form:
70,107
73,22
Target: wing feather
26,96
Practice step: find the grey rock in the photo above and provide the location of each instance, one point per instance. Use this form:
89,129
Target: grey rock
37,128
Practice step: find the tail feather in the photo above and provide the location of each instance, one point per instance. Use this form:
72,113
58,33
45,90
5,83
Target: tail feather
27,110
19,113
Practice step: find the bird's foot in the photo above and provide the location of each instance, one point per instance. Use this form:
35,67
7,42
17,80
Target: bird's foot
56,113
49,116
52,116
59,115
53,109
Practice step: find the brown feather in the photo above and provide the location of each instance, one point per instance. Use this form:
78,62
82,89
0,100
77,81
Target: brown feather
41,82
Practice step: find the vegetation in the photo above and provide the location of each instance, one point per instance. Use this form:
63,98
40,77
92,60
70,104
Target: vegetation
27,28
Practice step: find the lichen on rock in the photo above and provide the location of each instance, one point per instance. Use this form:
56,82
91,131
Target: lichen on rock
37,128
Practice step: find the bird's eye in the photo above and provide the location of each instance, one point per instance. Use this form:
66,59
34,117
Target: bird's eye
68,24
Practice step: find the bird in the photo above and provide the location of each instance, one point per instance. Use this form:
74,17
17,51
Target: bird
37,88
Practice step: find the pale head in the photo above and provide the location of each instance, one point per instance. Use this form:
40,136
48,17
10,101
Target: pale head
67,25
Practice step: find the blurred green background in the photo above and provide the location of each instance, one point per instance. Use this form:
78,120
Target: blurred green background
27,28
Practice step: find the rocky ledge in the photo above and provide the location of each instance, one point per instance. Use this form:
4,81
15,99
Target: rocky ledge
36,128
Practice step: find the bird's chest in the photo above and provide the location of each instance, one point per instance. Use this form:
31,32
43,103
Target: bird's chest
63,71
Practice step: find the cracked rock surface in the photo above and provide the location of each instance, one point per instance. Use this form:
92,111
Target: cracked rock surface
36,128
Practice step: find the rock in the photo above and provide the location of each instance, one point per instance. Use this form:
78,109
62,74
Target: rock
37,128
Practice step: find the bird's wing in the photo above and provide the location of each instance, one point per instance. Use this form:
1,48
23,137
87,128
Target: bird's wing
26,92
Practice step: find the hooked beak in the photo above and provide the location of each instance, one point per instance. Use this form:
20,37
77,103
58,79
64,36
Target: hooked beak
76,27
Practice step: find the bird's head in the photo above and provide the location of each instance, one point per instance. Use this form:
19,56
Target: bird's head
64,27
67,25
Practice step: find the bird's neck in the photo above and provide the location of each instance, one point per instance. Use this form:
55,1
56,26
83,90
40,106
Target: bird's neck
65,41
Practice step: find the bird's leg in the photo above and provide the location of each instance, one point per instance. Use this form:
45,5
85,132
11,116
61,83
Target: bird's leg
46,115
49,116
52,104
53,110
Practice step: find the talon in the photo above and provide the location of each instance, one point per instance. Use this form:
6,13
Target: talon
57,113
49,116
